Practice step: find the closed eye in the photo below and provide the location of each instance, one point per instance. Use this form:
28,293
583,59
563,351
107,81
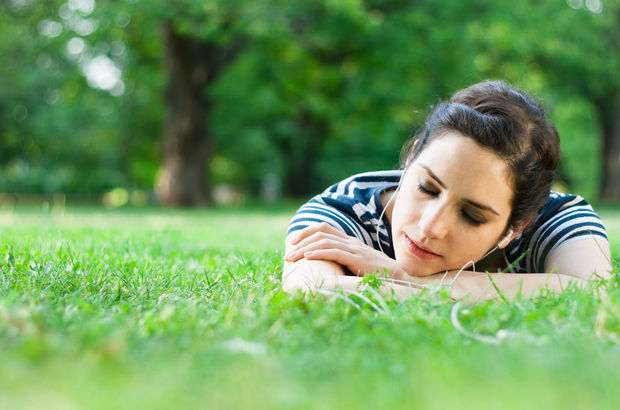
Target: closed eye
466,214
427,191
471,219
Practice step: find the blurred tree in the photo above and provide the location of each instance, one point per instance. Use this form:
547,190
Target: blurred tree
341,77
103,94
57,132
563,50
336,94
192,65
201,41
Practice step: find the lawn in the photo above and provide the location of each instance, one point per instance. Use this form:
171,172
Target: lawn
166,309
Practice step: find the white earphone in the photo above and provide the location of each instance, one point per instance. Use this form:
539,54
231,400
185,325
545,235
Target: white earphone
504,241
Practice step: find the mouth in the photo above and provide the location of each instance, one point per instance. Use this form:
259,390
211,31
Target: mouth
419,250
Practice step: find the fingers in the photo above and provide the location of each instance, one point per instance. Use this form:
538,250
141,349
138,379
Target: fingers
324,242
320,237
339,256
315,237
313,243
306,232
354,262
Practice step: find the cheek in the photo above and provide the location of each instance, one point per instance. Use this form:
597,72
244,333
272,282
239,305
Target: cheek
473,243
405,212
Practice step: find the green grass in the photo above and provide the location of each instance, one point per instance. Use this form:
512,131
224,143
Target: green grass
182,309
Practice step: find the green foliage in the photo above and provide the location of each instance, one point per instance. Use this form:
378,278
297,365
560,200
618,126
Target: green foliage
58,133
318,89
53,136
581,146
154,309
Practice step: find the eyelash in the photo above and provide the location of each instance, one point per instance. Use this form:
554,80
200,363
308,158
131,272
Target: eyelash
427,191
470,219
467,217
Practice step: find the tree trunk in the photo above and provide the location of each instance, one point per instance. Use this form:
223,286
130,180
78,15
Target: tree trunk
300,177
610,119
187,145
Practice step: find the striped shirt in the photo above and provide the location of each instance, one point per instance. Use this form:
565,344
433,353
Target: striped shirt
354,206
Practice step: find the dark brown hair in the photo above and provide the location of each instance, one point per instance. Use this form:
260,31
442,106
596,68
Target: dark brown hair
509,123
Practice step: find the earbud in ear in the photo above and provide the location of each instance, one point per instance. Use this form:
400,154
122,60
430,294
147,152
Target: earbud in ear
504,241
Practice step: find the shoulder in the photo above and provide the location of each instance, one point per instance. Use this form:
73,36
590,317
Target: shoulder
568,214
559,202
350,205
564,218
364,181
358,193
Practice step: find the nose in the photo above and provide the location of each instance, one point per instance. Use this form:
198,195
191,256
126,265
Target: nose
434,222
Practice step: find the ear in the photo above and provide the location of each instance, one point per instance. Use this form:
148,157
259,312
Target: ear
513,233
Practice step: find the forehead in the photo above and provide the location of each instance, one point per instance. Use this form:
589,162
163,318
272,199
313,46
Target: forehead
468,170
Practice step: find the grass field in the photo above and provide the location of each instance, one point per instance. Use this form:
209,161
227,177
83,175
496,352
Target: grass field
182,309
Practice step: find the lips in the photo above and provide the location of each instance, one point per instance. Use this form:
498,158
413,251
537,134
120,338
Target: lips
419,250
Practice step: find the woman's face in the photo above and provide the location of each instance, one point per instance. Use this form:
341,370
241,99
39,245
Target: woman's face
453,206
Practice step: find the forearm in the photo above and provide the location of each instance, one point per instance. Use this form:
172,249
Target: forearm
309,276
477,286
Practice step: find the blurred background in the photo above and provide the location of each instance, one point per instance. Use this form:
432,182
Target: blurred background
202,102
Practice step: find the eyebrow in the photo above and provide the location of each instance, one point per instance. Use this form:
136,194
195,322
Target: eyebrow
468,201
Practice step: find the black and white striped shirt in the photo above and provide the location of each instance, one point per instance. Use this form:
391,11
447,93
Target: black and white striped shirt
354,206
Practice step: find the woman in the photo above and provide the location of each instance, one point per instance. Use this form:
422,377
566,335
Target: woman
474,193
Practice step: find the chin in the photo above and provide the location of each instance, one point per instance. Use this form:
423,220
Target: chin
420,274
418,271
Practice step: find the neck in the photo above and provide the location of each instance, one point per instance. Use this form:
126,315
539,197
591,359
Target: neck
492,261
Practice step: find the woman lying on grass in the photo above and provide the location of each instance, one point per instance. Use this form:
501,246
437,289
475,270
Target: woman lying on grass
475,187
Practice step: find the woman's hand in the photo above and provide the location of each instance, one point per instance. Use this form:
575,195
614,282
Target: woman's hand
324,242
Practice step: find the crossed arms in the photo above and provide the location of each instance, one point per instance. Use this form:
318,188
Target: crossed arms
318,256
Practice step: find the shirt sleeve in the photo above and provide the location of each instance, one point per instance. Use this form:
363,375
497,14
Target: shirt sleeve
316,211
574,220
